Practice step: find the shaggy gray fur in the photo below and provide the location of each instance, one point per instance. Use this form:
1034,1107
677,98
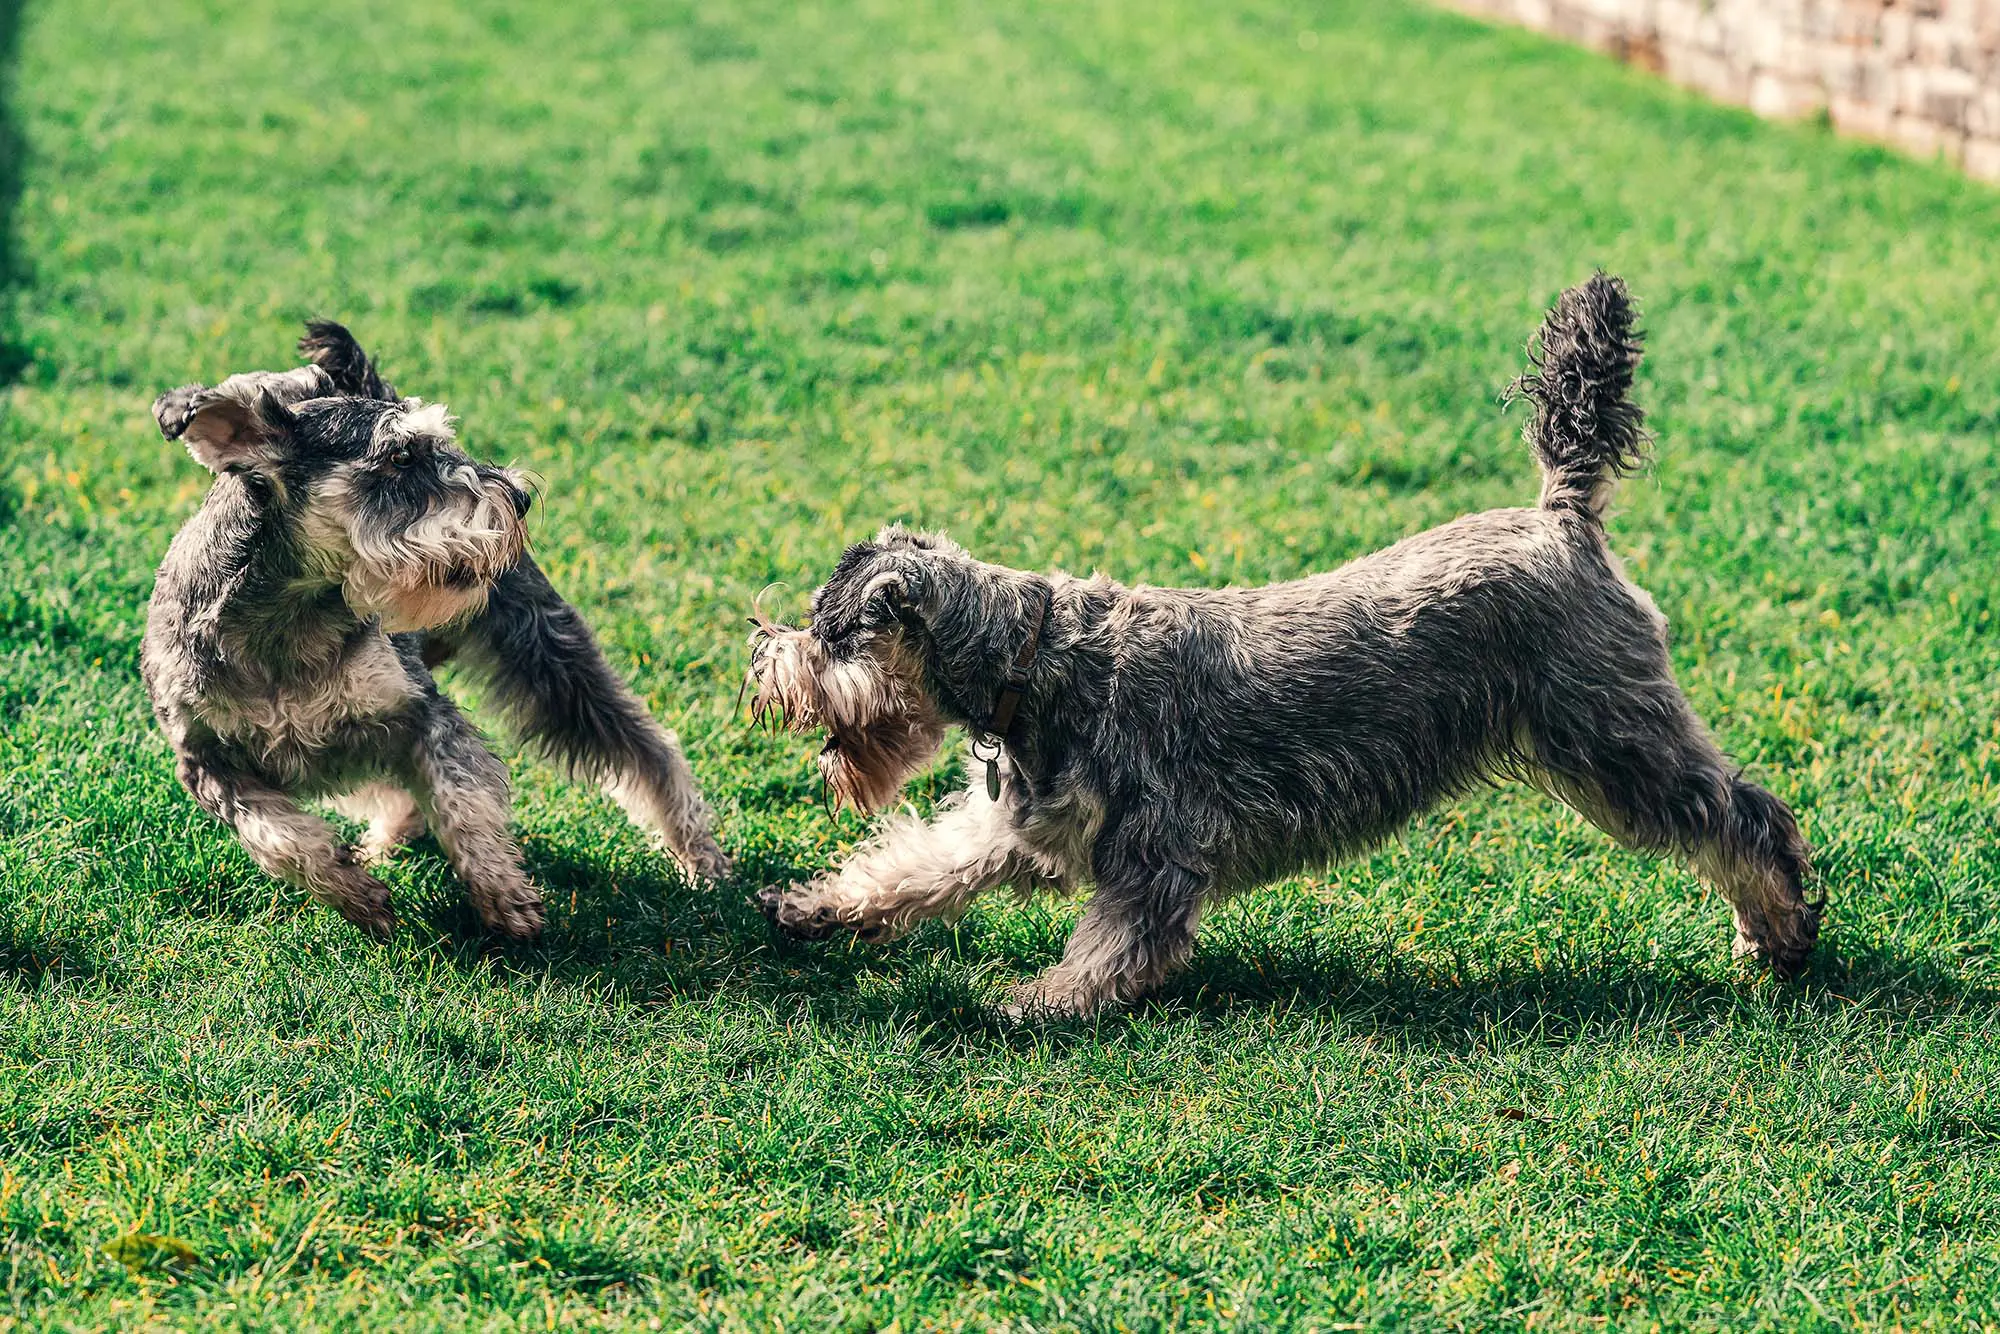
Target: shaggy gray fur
346,547
1175,745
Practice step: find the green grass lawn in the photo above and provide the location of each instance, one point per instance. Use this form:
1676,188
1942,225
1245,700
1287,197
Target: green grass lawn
1185,292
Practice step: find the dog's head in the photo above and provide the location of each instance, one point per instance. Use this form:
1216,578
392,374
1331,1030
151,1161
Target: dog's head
899,637
371,489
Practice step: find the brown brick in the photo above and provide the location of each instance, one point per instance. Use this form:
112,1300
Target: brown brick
1923,74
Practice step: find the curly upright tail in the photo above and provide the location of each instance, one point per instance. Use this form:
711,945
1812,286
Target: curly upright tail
1585,431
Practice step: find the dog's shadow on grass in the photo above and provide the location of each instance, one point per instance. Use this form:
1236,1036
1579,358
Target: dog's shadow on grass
633,920
651,936
29,957
1459,1004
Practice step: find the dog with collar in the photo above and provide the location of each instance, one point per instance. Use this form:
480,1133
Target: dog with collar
1170,746
347,547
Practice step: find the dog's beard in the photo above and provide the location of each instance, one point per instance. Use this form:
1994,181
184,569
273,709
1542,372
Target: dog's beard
401,606
433,571
881,725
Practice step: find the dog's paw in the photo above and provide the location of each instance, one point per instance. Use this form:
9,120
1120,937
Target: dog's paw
1046,999
371,851
797,916
518,917
361,898
1783,943
707,861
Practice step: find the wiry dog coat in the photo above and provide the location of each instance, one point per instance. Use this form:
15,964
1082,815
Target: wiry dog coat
1172,745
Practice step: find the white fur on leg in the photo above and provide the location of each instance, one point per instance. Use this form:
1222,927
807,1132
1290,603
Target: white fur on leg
393,817
912,871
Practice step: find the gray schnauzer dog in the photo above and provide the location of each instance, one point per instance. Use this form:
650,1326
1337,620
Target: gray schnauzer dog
346,548
1171,746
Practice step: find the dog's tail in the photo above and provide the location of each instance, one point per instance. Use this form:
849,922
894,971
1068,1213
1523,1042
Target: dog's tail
1586,431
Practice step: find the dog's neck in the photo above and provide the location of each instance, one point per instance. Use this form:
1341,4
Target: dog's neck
1014,684
270,612
984,637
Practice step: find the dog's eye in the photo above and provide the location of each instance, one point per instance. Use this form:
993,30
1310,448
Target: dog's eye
402,458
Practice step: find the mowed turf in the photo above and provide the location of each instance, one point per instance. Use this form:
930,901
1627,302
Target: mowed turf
1185,292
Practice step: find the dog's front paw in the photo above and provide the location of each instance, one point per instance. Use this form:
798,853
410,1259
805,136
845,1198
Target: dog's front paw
1050,997
799,914
518,916
707,861
360,898
1783,942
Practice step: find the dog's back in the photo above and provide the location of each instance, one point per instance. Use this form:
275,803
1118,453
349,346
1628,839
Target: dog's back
1340,704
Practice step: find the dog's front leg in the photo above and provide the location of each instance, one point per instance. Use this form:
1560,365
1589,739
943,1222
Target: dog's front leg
462,788
547,670
1139,928
292,844
909,872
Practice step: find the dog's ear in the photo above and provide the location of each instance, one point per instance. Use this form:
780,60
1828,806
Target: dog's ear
224,428
334,350
889,592
869,590
899,536
244,422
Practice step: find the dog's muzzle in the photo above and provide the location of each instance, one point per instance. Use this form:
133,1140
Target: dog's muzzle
880,730
441,566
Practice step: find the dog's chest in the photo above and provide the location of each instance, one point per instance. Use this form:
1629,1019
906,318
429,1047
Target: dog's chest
367,684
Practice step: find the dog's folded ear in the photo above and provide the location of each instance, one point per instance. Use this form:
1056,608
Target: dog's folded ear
224,432
888,592
869,590
241,423
244,422
895,588
174,409
334,350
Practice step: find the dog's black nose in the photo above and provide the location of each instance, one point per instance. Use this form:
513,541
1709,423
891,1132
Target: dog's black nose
521,500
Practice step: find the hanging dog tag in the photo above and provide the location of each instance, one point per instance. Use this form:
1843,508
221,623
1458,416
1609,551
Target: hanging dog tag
988,741
986,749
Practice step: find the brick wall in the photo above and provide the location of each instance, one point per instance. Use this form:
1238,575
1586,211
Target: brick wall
1921,74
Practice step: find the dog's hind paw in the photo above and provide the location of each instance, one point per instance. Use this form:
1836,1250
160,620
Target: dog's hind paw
801,917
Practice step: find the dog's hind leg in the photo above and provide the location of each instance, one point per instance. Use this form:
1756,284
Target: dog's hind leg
462,788
541,660
910,872
392,814
1639,764
291,844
